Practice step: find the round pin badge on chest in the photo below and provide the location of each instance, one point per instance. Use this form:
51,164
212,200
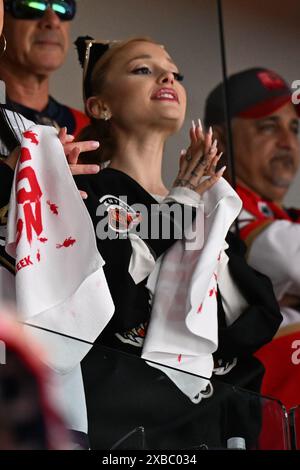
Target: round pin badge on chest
264,209
121,218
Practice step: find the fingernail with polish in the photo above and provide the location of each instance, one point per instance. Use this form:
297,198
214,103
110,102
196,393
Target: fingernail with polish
210,131
200,125
214,144
220,172
183,152
193,125
95,144
95,168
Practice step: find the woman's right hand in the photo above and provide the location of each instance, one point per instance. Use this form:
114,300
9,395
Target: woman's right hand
199,160
72,151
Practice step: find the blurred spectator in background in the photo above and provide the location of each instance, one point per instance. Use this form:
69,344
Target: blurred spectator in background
37,35
265,125
28,418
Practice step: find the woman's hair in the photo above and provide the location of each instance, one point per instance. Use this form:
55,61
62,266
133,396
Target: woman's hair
99,129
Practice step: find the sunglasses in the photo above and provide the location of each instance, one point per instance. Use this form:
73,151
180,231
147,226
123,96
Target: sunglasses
90,59
34,10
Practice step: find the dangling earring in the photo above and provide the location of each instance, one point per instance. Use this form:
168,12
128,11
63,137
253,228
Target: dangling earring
106,115
4,44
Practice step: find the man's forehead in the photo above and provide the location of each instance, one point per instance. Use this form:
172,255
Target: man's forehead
284,113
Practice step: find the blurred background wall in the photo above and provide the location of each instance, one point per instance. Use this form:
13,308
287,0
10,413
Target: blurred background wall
265,33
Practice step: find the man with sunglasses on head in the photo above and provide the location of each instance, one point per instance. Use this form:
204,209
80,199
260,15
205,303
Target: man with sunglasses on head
37,35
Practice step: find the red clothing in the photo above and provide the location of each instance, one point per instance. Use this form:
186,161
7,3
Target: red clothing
282,363
262,212
81,120
282,376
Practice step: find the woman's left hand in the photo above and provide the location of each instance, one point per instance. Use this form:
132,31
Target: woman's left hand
200,159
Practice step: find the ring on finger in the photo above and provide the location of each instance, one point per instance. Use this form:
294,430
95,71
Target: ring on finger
181,182
202,161
188,156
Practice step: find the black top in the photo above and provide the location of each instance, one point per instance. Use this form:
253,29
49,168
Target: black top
6,181
123,392
127,327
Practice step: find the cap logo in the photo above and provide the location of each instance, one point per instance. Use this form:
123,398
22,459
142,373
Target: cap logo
270,80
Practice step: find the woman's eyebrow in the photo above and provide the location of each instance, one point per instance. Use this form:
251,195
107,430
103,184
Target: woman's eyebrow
147,56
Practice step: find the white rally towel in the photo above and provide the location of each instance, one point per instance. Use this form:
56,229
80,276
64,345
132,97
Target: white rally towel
183,330
60,283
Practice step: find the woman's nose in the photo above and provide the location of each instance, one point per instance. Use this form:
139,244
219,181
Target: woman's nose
167,77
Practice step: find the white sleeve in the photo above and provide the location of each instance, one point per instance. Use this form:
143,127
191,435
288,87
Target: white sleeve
183,196
276,253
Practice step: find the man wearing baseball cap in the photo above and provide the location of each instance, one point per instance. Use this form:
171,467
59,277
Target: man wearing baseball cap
37,37
264,123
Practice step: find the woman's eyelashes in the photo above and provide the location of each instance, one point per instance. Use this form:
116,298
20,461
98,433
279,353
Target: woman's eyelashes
178,76
142,71
147,71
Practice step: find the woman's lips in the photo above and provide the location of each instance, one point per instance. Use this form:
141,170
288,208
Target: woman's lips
165,94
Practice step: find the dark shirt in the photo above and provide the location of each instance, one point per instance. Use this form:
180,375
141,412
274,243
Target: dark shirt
55,114
131,300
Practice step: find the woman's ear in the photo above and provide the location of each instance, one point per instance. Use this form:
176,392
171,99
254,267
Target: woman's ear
94,107
97,109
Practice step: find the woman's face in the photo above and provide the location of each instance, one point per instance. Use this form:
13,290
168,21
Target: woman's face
143,89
